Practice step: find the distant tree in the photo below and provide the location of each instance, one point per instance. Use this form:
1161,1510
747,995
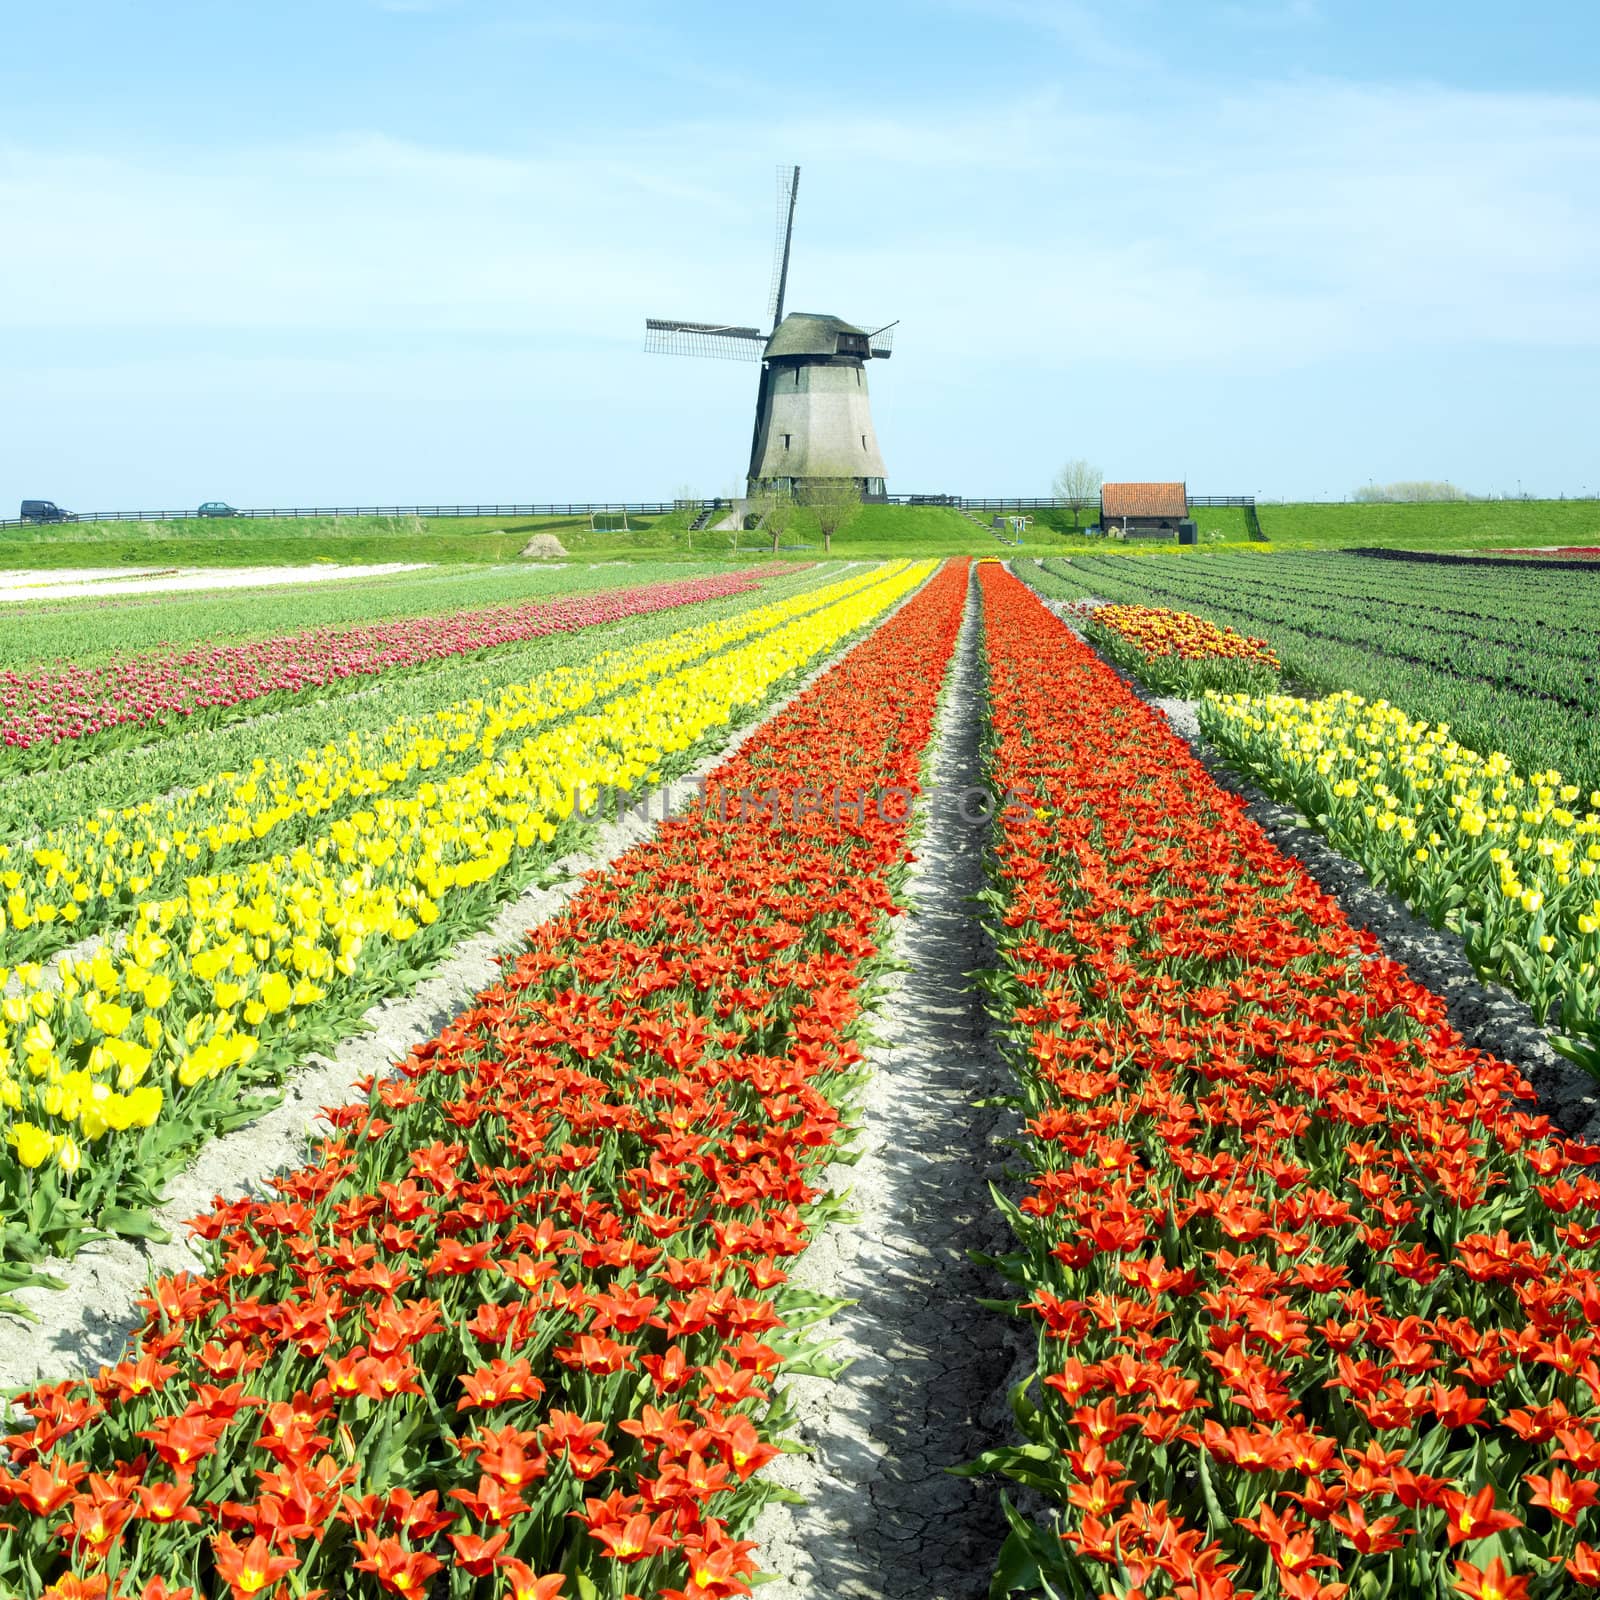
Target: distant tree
835,502
756,505
686,503
771,511
781,512
1409,492
1077,483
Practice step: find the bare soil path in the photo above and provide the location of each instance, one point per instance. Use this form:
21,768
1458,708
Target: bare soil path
925,1390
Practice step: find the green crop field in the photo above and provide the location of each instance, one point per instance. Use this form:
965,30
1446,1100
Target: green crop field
1504,655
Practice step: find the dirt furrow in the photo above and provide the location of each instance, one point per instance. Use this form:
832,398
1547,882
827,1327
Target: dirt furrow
925,1390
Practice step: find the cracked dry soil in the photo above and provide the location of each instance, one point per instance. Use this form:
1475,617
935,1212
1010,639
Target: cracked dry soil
926,1388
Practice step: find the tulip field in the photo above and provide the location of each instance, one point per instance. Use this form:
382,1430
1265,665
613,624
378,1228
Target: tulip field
1503,654
256,914
1300,1279
1508,858
55,715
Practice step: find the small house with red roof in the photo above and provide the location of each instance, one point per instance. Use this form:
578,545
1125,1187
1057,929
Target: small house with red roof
1144,510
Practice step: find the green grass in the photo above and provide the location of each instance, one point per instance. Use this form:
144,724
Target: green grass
266,541
1055,524
1220,525
878,531
1438,525
911,531
917,531
1450,525
941,530
1442,525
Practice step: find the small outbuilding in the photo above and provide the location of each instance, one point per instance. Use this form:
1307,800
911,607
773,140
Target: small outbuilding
1144,510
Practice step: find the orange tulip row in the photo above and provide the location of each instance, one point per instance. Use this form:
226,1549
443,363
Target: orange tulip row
1315,1290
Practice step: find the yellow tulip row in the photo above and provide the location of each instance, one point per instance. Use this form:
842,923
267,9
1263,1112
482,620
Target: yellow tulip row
1510,860
80,877
162,1033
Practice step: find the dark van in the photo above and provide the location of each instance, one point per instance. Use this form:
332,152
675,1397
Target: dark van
45,511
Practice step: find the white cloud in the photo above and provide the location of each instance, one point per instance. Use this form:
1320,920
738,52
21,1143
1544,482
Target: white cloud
1273,228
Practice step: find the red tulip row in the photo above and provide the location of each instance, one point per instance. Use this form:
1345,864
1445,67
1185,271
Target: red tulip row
1548,550
1315,1293
44,709
514,1335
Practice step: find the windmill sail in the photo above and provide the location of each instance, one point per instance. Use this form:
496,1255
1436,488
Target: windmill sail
666,336
813,419
788,188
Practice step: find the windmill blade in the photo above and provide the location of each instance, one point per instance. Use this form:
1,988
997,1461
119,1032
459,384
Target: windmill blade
881,342
666,336
788,188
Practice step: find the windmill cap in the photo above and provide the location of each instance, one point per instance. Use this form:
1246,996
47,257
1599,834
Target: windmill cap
806,333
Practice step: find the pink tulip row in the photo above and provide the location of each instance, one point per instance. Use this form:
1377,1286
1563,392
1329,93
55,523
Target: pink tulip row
67,702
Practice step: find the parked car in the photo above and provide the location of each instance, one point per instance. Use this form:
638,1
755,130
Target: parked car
45,511
218,508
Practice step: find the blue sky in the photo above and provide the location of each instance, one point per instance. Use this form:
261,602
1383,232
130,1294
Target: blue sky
395,250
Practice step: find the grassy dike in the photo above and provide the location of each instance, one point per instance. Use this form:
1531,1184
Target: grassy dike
293,541
878,530
1436,525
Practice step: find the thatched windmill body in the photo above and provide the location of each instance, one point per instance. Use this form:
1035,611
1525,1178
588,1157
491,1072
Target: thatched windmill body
813,416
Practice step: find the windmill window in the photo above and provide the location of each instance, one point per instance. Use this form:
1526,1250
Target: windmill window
786,438
863,441
858,377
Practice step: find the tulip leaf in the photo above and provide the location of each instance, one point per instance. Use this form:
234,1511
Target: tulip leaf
134,1223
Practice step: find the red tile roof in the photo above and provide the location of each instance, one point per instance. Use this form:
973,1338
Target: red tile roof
1144,500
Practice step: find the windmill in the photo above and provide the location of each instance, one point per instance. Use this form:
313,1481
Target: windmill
813,419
